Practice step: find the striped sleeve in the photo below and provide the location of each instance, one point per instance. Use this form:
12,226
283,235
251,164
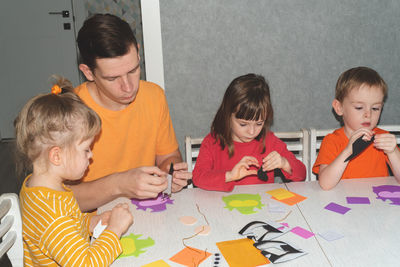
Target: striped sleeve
68,248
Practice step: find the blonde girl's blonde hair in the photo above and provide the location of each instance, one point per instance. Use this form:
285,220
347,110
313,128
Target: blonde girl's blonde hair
248,98
49,120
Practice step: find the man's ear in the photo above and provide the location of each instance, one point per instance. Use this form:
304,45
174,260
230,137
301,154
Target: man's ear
55,156
337,107
87,72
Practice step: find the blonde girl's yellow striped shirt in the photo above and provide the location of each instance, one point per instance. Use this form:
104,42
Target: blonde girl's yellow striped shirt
56,233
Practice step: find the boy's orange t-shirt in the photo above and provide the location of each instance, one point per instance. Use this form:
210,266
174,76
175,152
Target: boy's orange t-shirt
131,137
370,163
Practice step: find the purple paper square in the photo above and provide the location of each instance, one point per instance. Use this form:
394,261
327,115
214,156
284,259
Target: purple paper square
337,208
358,200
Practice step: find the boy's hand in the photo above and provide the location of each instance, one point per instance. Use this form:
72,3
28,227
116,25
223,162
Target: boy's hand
386,142
274,160
241,169
120,219
367,135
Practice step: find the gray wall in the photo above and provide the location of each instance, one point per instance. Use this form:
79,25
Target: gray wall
300,46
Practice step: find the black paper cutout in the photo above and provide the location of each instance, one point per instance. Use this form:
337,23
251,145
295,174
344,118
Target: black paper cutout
258,231
288,249
359,146
262,175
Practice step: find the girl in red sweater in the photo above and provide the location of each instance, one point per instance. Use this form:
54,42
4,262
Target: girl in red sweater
240,141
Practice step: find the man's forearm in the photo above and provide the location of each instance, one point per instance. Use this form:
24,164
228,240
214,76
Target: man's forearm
91,195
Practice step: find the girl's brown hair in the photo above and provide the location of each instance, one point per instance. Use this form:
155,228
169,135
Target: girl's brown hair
49,120
248,98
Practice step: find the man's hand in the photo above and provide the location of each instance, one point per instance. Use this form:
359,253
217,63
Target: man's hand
180,176
142,183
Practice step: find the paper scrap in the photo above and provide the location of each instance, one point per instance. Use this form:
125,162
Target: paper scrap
330,235
241,253
292,200
337,208
188,220
302,232
190,256
358,200
159,263
280,193
275,207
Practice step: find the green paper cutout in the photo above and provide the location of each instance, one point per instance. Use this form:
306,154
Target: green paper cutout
133,246
244,203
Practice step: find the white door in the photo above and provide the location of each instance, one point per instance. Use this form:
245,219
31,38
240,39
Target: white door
33,45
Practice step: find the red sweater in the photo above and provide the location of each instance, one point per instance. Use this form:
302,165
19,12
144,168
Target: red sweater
212,163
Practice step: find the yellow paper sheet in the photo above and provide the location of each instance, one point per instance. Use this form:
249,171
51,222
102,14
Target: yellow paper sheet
241,253
159,263
280,193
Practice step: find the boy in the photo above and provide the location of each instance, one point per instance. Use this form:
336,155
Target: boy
360,93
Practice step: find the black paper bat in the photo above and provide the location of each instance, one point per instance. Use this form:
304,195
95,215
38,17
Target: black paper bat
359,146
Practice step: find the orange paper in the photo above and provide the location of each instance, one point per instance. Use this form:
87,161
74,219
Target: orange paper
190,257
242,253
292,200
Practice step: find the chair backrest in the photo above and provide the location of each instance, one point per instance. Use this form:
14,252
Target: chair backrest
11,229
192,146
394,129
298,143
316,136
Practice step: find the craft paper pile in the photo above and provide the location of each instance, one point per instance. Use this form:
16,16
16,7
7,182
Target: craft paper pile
286,196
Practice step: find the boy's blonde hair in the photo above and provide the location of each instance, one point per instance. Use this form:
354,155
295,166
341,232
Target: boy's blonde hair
354,78
49,120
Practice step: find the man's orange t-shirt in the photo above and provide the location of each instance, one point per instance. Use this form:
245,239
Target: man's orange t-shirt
371,162
131,137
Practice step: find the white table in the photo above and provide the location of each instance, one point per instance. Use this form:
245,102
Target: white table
371,232
167,231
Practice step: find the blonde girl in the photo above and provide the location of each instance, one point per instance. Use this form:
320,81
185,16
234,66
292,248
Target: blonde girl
54,133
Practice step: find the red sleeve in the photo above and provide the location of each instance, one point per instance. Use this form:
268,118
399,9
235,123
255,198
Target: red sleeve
205,175
298,168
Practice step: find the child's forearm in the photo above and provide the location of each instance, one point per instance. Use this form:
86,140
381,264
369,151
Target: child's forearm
394,159
330,175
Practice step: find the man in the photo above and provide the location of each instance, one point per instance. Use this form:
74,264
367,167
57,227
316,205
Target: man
136,127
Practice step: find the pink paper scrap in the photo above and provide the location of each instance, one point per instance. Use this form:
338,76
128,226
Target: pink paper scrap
302,232
358,200
337,208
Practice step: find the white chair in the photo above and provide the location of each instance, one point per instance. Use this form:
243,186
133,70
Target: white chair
394,129
298,143
11,229
316,137
192,146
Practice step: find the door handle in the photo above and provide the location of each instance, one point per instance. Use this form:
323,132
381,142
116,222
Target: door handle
64,13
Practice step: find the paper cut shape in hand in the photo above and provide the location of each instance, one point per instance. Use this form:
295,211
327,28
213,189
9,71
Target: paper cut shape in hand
262,175
359,146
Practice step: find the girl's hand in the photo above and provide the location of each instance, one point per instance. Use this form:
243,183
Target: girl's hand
275,161
120,219
241,169
104,217
386,142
